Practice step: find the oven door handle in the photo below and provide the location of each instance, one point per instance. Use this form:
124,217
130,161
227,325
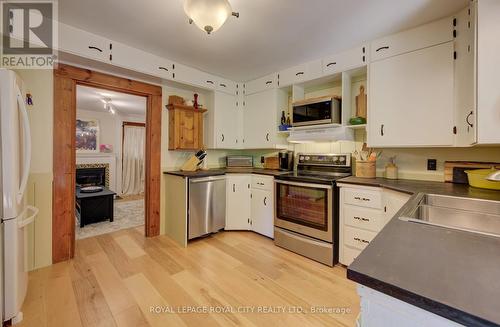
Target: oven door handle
322,186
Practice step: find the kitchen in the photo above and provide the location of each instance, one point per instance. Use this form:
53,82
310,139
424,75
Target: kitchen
343,171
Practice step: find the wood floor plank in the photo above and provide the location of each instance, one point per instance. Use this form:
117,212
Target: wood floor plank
114,279
148,298
129,246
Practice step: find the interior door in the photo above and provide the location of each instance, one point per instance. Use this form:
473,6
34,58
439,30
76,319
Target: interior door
237,202
411,99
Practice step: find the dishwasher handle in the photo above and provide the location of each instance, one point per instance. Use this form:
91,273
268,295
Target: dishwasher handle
207,179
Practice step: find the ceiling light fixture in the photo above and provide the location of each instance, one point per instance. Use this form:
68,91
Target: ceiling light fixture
208,15
107,105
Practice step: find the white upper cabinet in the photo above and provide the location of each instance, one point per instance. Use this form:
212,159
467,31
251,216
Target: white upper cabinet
222,130
488,70
81,43
194,77
346,60
226,86
411,99
300,73
260,84
437,32
124,56
261,118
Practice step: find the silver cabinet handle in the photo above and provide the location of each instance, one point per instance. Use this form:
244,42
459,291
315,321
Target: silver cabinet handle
361,240
222,140
269,82
382,129
210,82
267,137
299,73
361,218
382,48
222,85
467,119
265,198
331,64
360,198
163,68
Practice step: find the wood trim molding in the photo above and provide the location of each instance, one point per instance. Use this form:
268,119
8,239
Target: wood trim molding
66,78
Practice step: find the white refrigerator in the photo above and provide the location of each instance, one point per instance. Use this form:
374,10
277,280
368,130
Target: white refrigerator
15,215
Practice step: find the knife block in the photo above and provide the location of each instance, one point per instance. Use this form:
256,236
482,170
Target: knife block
191,164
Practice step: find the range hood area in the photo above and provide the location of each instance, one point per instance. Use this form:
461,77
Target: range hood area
330,134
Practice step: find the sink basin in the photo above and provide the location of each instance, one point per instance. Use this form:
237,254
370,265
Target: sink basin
467,214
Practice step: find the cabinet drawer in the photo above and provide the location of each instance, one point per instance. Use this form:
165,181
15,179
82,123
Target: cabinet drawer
364,198
365,218
262,182
357,238
424,36
349,254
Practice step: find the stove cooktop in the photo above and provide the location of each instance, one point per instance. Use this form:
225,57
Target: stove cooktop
312,177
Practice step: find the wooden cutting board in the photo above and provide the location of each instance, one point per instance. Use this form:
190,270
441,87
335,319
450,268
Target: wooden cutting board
454,171
361,103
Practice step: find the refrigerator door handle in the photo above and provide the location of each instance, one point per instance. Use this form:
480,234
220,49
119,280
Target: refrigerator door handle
28,220
27,145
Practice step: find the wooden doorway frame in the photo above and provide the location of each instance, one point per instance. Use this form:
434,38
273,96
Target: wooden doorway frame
66,79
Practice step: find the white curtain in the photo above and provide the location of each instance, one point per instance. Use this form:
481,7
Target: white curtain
134,138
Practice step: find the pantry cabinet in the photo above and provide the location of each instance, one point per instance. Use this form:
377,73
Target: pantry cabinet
411,100
364,211
222,129
238,201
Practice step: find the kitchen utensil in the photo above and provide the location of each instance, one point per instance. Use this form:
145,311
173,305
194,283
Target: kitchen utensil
361,104
477,178
366,169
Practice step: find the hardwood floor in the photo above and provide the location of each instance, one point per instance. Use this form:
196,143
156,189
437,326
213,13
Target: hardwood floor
230,279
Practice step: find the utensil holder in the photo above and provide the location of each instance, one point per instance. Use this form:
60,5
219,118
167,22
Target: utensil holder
366,169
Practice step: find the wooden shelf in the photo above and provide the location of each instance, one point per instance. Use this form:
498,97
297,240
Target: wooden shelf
360,126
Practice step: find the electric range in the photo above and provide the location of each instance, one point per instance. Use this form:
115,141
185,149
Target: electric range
306,216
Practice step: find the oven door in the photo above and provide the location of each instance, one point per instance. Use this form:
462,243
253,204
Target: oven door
304,208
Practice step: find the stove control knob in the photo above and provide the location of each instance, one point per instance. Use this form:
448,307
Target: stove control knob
307,158
342,159
301,158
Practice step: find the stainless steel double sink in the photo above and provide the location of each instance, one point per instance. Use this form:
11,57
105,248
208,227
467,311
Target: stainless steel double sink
466,214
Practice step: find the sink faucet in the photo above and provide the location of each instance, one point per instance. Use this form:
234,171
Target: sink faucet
494,177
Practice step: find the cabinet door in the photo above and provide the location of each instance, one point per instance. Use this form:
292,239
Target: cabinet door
393,202
346,60
260,84
138,60
226,116
262,218
84,44
421,37
185,129
192,76
238,202
411,99
226,86
260,119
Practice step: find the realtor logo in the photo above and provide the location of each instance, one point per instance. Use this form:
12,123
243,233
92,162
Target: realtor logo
28,34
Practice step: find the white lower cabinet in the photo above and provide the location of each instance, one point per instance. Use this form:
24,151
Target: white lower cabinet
364,211
250,203
238,202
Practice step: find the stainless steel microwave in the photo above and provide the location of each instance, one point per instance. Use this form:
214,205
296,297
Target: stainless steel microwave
324,110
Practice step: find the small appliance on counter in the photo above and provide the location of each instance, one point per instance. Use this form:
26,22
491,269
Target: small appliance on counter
285,159
239,161
194,161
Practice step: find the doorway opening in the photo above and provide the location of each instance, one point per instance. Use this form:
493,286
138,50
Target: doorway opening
66,81
110,161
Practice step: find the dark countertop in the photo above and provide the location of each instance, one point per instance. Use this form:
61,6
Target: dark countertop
452,273
223,171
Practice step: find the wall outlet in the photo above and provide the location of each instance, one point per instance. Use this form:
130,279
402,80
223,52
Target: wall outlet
431,164
262,159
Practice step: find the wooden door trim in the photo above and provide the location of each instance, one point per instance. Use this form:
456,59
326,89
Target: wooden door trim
66,78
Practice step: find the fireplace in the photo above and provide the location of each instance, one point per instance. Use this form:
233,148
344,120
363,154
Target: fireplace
92,175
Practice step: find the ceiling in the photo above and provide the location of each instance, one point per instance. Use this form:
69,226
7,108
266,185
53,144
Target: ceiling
269,35
90,98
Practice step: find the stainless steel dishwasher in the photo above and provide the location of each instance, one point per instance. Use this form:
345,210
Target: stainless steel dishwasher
207,205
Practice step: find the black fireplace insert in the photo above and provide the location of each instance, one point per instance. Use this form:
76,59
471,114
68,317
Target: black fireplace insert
90,177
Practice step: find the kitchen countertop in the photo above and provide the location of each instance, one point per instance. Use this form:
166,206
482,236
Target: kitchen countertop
449,272
223,171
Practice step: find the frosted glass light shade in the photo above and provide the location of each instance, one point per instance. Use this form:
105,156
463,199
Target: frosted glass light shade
208,15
